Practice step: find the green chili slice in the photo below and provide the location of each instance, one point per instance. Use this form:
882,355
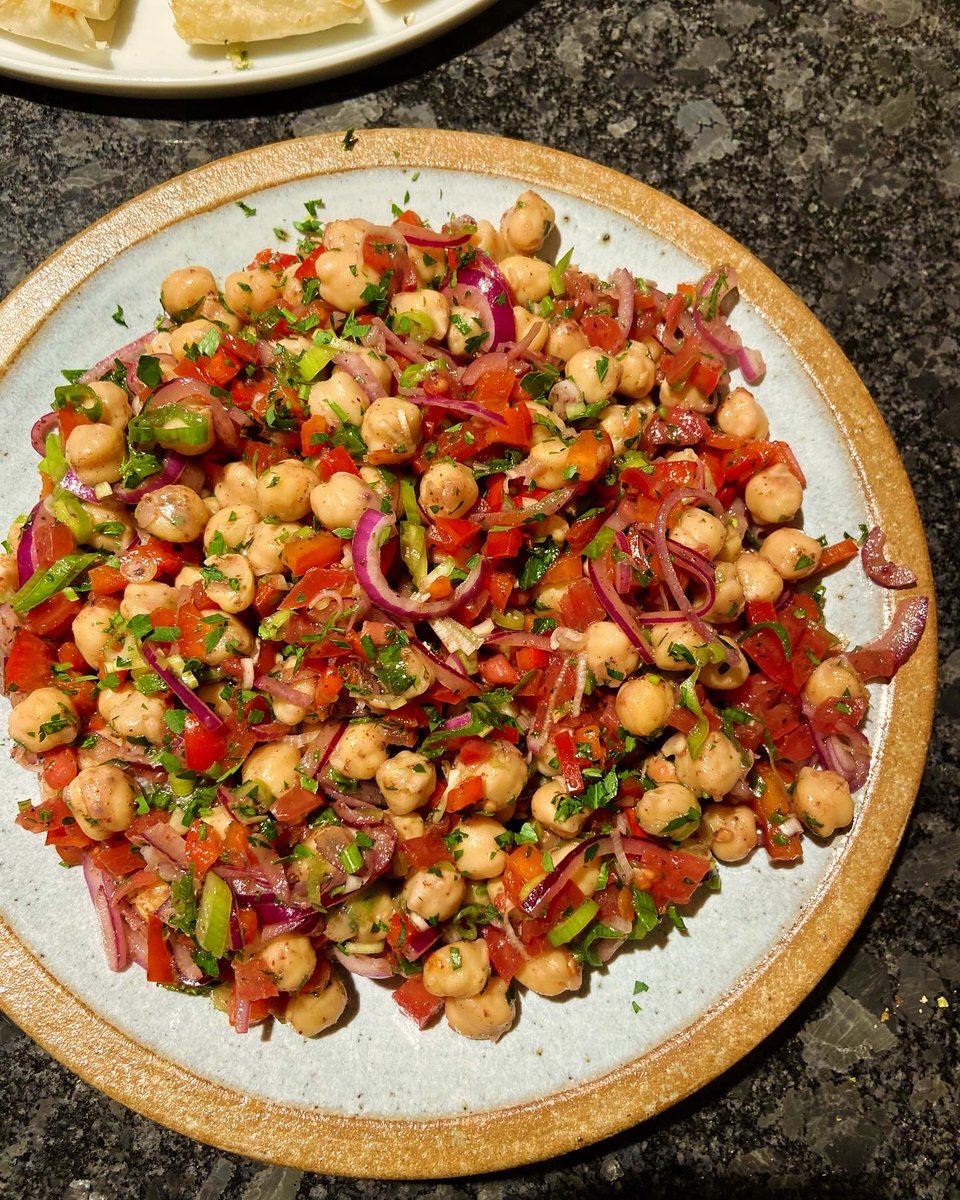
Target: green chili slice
570,926
46,583
213,915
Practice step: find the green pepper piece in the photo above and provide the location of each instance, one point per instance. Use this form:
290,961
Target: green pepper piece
54,463
409,498
70,512
413,550
43,584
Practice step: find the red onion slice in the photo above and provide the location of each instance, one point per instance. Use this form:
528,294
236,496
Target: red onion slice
27,562
284,691
171,471
371,966
357,366
71,483
626,299
178,390
496,360
883,657
112,927
366,560
41,428
430,239
128,355
449,677
491,300
599,572
877,566
162,837
469,408
507,518
206,716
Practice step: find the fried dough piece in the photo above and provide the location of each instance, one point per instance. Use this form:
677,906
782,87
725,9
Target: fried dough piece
46,22
217,22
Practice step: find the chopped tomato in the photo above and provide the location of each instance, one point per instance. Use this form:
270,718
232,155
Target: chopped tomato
572,775
107,581
315,581
414,999
193,630
672,876
665,478
532,658
590,455
59,767
524,864
203,847
331,460
464,794
505,958
503,543
772,808
159,955
839,552
451,533
295,805
53,617
602,331
500,585
426,850
153,554
119,858
51,542
29,664
498,671
567,568
475,750
252,981
236,846
493,388
321,550
579,606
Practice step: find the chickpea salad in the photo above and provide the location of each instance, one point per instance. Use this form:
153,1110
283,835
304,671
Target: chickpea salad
414,607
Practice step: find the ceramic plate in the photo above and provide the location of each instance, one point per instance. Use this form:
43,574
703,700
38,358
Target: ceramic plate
377,1097
147,58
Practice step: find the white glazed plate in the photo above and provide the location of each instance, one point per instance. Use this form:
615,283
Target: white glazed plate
375,1096
147,58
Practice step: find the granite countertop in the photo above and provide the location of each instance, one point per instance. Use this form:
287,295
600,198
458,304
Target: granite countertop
823,135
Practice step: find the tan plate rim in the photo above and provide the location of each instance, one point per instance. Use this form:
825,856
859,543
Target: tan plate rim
493,1140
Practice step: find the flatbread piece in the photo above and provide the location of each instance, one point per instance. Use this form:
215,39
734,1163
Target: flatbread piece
222,22
46,22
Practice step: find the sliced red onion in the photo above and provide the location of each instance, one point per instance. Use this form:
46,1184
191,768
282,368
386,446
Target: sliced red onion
448,676
751,364
284,691
366,561
357,816
71,482
318,752
178,390
419,941
469,408
187,969
883,657
241,1016
223,427
128,355
459,721
624,870
496,360
357,366
616,609
579,685
848,753
297,921
112,927
162,837
430,239
626,295
878,568
543,892
170,472
27,562
546,507
206,716
490,298
41,428
509,637
682,427
136,936
371,966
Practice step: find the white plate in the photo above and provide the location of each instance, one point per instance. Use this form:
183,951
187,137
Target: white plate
147,57
376,1096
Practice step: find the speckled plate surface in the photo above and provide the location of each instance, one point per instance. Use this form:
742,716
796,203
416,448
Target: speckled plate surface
147,58
375,1097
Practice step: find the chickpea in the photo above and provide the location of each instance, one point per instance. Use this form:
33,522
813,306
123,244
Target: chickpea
421,675
184,289
484,1017
233,589
659,768
742,416
237,486
223,318
272,766
364,917
774,495
185,337
723,675
491,241
822,801
343,277
114,404
337,399
701,531
733,542
407,780
311,1012
143,598
101,800
670,810
341,501
549,801
250,293
526,225
681,634
436,891
759,579
527,323
503,774
391,428
714,771
91,630
551,973
611,656
290,959
9,576
548,462
466,334
638,371
95,453
283,490
44,719
360,752
346,235
234,523
132,715
448,489
732,829
422,315
459,969
476,851
173,513
595,373
644,703
794,554
264,551
833,679
624,424
528,278
565,338
730,601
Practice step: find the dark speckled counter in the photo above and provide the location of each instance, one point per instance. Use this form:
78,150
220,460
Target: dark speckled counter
824,136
